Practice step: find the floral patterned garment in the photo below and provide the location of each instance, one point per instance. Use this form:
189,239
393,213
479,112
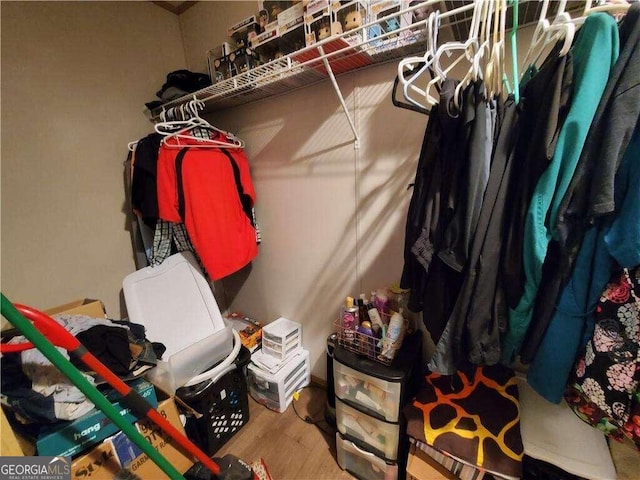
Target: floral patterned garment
603,390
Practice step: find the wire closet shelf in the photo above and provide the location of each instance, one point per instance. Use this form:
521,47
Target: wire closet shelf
336,55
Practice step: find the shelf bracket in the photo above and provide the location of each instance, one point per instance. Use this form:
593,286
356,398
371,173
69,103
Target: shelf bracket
327,66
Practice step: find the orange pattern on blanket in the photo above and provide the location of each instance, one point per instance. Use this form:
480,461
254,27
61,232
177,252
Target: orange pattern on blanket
474,416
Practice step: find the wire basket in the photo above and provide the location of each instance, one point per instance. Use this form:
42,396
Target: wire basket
365,345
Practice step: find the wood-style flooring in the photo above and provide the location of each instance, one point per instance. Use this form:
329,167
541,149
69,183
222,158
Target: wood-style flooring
295,450
290,448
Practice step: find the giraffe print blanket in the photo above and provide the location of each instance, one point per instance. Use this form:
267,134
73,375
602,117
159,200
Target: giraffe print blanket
472,415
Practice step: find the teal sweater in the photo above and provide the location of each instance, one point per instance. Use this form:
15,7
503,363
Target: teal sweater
594,53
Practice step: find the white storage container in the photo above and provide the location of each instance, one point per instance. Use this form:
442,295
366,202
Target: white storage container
175,297
363,464
381,436
373,394
275,391
281,338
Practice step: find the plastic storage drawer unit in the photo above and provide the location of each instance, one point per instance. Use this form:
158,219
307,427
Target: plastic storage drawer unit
362,464
281,338
275,391
376,389
372,394
377,435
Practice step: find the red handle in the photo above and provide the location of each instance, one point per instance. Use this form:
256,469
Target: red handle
51,329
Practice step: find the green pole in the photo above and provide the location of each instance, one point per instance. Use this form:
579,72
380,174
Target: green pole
65,366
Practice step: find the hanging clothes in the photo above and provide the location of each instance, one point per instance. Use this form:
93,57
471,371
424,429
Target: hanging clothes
210,190
603,389
590,192
473,330
434,194
479,117
544,104
144,196
615,240
594,53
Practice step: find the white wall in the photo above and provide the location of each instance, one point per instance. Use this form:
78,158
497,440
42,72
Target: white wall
75,77
332,217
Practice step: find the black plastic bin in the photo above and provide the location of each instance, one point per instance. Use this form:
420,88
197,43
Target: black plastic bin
223,405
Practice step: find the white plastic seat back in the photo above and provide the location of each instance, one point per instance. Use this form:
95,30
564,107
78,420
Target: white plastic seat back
175,304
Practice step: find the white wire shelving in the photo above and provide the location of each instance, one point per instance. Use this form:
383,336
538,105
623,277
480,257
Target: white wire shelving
350,51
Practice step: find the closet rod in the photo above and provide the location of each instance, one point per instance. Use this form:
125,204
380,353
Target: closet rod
327,65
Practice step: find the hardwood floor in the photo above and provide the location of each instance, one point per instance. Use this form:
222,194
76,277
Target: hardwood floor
291,448
295,450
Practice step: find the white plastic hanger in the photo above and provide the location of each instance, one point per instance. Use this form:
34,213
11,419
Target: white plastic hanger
195,130
613,6
410,64
467,51
495,66
547,33
479,41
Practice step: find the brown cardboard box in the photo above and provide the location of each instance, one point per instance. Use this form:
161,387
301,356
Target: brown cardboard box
13,444
421,466
101,462
87,306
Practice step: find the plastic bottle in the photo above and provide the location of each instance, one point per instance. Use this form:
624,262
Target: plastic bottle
375,319
394,336
362,308
349,320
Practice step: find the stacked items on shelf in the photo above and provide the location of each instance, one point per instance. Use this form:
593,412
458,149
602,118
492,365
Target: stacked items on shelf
291,29
281,367
281,28
392,16
374,327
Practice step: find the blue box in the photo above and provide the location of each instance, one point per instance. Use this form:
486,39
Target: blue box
69,438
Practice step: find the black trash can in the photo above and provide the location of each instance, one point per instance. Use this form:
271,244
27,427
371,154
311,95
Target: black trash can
223,406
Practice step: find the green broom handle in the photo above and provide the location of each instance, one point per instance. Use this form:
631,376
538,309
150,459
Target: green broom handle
65,366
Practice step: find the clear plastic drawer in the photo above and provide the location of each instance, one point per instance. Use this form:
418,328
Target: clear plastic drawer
378,396
362,464
381,436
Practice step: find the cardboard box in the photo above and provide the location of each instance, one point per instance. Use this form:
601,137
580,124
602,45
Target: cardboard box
218,68
243,31
105,460
242,60
70,438
266,45
421,466
87,306
290,18
12,443
318,23
352,16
